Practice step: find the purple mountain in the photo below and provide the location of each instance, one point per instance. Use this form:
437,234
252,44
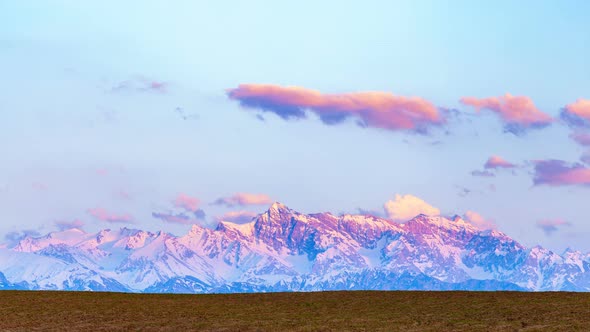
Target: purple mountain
283,250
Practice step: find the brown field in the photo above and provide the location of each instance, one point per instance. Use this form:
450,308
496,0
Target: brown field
323,311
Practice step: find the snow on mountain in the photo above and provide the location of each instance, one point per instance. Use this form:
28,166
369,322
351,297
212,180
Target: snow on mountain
283,250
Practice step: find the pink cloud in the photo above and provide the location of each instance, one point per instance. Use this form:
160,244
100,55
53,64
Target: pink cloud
581,138
372,109
549,226
238,217
577,113
559,173
517,112
406,207
478,221
103,215
242,199
187,202
495,162
63,225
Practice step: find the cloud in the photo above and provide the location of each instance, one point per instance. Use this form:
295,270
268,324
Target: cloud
483,173
371,109
140,84
404,208
179,218
518,113
200,214
463,191
478,221
187,202
238,217
103,215
550,226
585,158
495,162
375,213
12,238
63,224
559,173
241,199
577,114
581,138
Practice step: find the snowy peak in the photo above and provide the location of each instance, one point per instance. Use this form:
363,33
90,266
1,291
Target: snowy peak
423,224
284,250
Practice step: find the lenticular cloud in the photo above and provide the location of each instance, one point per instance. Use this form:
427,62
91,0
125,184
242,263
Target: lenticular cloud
372,109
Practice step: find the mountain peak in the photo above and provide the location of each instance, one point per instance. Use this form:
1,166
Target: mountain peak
278,210
277,206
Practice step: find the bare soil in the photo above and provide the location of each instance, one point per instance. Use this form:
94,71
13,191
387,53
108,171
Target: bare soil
321,311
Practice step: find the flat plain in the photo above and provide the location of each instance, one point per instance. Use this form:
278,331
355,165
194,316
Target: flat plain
318,311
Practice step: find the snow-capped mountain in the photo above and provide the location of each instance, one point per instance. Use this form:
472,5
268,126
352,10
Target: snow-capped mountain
283,250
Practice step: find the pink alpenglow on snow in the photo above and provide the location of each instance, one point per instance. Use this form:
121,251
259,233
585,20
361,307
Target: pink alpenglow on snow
517,112
242,199
371,109
478,221
238,217
495,162
404,208
187,202
549,226
559,173
103,215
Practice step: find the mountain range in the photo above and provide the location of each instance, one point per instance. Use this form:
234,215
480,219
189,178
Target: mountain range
283,250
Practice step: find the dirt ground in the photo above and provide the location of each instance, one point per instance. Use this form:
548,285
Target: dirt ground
321,311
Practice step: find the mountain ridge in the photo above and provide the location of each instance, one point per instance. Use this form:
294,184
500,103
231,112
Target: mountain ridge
284,250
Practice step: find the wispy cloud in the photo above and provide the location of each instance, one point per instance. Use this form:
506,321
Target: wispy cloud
484,173
140,84
179,218
518,113
560,173
404,208
238,217
371,109
242,199
64,224
104,215
550,226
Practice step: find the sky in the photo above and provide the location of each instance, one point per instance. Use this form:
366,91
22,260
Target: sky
154,115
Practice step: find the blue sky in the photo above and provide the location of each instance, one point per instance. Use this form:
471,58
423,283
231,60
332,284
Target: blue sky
82,124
